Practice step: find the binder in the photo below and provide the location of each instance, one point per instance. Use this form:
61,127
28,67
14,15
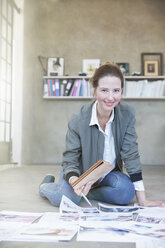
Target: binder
53,87
57,87
75,87
45,88
49,87
68,87
94,173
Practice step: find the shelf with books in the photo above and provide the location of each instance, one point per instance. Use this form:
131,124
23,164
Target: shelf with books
67,86
78,87
144,87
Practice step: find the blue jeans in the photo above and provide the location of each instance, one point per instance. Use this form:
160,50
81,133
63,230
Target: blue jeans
115,188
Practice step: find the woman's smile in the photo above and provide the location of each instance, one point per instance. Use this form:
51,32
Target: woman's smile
108,94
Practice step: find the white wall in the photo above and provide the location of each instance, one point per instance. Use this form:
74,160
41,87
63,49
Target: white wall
17,88
76,29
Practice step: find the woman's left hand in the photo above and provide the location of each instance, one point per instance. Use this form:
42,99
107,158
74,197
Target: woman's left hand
142,201
150,203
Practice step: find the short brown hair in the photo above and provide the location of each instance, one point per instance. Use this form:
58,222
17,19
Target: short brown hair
107,69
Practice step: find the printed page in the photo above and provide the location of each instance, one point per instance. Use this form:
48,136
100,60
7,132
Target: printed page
50,218
45,233
22,217
67,206
114,208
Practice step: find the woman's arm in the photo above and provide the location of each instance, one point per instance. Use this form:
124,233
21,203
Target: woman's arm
142,201
131,158
72,153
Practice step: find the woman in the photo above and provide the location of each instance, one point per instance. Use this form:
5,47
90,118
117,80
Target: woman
104,129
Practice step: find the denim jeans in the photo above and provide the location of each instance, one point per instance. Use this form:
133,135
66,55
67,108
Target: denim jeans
115,188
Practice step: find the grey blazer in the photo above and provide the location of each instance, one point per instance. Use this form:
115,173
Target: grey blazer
85,144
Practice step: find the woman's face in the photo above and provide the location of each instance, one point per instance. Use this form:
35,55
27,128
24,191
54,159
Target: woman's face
108,93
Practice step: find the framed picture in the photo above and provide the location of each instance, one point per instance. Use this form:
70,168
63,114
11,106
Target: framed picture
55,66
152,64
151,68
124,67
89,66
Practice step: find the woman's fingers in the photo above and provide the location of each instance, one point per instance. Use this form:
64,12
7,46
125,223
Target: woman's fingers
72,179
84,189
87,187
150,203
78,191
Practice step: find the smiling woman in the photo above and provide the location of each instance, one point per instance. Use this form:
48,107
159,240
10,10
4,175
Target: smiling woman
108,94
103,130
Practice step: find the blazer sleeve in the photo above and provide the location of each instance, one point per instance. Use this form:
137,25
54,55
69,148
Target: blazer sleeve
129,151
72,153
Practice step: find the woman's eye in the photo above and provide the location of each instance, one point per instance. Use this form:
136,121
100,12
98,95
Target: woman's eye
103,90
116,90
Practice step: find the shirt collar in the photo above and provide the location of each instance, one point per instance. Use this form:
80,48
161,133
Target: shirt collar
94,119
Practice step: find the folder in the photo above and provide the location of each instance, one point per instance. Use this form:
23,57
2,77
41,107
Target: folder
68,87
94,173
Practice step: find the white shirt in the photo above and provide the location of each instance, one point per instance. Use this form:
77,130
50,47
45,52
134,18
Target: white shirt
109,146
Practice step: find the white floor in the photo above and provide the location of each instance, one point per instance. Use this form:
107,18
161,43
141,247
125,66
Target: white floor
19,192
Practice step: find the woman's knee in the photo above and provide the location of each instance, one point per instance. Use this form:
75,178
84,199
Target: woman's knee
121,189
116,179
126,194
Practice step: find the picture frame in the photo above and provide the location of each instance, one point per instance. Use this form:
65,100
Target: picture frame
124,67
151,64
90,65
151,68
55,66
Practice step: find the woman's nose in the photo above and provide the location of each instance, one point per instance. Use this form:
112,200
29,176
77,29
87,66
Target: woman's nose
110,95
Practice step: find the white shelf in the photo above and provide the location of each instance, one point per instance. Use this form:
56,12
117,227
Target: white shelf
129,78
125,77
90,98
67,97
144,77
67,77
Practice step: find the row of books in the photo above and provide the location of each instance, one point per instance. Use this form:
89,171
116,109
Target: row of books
144,88
66,87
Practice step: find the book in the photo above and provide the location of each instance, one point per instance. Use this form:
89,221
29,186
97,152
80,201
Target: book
94,173
45,88
75,87
53,86
63,86
84,87
78,88
49,87
81,89
68,87
88,88
57,87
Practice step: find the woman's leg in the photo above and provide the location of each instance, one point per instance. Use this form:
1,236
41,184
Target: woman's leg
115,188
54,191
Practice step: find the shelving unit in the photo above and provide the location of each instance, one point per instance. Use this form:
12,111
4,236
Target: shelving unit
128,81
145,87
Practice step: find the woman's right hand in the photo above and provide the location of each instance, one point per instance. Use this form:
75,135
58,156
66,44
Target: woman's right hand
83,189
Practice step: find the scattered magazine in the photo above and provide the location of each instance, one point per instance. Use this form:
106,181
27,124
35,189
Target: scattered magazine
21,217
69,207
50,218
108,223
121,209
45,233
